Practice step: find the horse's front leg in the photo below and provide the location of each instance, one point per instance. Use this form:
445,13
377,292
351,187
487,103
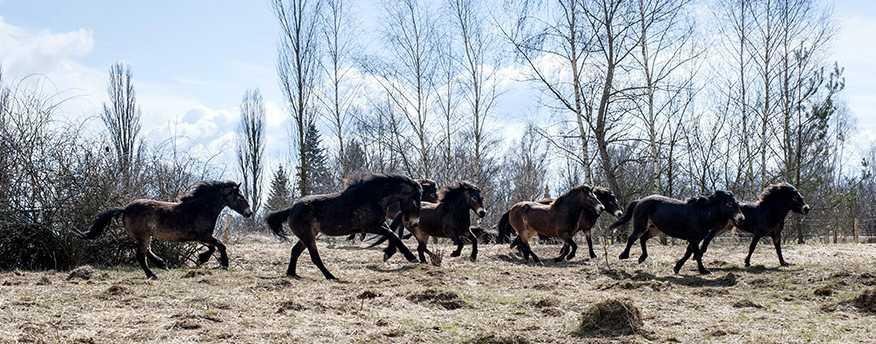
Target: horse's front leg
393,241
474,246
459,243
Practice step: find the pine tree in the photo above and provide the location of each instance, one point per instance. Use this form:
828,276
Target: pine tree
281,195
354,159
319,176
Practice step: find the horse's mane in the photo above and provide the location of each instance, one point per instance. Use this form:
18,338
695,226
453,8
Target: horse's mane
566,197
703,200
204,189
600,189
455,190
373,182
775,190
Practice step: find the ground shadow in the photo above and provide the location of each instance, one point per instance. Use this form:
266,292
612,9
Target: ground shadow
382,268
546,262
727,280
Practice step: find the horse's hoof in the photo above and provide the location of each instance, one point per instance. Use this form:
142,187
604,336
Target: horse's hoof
455,254
473,259
705,271
624,255
152,277
413,260
785,264
641,260
676,269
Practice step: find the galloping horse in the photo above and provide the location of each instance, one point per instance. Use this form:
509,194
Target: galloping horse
430,194
689,220
575,210
362,207
192,218
449,218
605,197
766,217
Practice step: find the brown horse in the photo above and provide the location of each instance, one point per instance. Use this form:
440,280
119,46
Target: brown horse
192,218
766,217
362,207
608,200
449,218
575,210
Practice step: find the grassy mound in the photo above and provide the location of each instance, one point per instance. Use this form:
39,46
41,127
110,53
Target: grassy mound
614,317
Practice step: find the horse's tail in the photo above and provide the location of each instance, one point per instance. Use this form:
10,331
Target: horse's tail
627,216
504,228
101,221
275,220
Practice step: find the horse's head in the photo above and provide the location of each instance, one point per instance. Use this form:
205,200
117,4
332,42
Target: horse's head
727,205
409,195
430,190
609,201
468,193
235,200
785,195
583,197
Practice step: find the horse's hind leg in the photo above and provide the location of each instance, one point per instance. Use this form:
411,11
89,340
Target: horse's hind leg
142,250
643,242
687,253
459,243
421,250
640,225
293,258
528,250
395,241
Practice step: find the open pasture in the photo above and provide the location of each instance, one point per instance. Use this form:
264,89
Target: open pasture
498,299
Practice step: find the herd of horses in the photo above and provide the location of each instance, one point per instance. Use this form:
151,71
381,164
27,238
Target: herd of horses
367,203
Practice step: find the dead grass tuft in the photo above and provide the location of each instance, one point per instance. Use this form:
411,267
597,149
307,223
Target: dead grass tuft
614,317
746,303
498,339
84,272
290,306
44,280
445,299
196,273
368,295
823,291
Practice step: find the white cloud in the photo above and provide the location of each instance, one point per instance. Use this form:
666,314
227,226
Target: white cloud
168,111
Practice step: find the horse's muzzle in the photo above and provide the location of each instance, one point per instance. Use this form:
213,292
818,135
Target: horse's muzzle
413,222
739,218
247,212
481,212
618,213
600,207
805,209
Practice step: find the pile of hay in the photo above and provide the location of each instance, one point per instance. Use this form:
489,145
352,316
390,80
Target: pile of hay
84,272
614,317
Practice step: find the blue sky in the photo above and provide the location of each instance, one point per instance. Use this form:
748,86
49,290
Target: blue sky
194,59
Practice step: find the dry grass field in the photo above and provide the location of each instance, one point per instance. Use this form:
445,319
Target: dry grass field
495,300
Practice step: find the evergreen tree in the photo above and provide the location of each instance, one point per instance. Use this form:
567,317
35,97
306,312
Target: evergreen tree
354,159
319,178
281,195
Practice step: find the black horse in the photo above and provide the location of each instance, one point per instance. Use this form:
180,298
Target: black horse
689,220
430,194
361,207
605,196
449,218
766,217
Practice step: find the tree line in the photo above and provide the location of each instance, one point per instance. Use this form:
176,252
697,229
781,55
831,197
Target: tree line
677,97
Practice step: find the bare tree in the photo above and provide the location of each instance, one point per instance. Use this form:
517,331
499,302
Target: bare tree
479,63
338,32
298,69
408,75
251,146
121,117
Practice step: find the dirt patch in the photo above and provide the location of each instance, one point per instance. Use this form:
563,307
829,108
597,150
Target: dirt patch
290,306
498,339
196,273
823,291
866,302
368,295
546,302
614,317
445,299
44,280
85,272
746,303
